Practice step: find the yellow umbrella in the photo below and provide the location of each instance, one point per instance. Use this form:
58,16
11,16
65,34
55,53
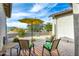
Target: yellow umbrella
31,21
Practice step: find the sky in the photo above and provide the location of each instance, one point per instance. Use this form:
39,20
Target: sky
34,10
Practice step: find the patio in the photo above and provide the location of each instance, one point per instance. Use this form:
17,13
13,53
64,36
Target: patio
65,49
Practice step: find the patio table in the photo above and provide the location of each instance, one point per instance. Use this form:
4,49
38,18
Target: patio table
27,38
10,46
24,38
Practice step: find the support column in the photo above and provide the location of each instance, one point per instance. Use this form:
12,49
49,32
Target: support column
76,27
2,25
53,26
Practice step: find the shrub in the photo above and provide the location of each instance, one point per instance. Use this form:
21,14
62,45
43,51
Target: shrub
15,39
21,33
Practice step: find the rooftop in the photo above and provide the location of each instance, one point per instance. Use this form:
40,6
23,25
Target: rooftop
63,12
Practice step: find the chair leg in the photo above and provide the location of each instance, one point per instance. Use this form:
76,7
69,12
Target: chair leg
19,52
29,51
58,52
42,51
33,49
50,53
10,51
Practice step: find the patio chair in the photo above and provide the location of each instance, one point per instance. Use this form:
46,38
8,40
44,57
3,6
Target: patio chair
51,39
26,45
49,46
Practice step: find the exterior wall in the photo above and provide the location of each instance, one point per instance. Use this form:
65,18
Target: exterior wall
65,27
2,25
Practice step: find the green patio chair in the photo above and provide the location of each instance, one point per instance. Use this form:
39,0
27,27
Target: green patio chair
51,39
26,45
49,46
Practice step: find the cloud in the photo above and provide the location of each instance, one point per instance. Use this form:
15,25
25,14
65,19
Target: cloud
20,14
37,7
17,16
38,10
16,24
45,11
47,20
13,21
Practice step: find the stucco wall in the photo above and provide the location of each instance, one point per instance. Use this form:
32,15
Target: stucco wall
2,25
65,27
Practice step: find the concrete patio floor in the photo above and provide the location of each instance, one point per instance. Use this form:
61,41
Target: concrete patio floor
65,48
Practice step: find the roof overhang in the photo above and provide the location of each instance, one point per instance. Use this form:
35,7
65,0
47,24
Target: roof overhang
7,8
65,12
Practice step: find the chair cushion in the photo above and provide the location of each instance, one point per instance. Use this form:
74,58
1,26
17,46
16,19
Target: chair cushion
30,45
48,45
48,40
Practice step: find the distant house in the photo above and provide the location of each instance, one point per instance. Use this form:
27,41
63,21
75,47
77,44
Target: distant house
64,24
5,11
